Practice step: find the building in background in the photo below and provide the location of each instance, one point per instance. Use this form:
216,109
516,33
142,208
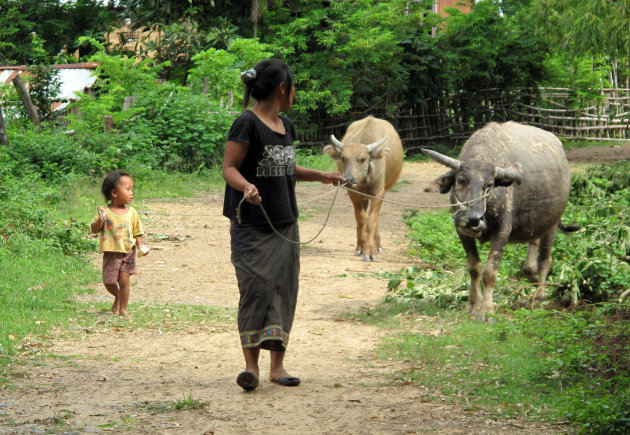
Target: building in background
73,77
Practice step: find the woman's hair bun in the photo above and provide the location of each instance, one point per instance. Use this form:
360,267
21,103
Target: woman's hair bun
248,77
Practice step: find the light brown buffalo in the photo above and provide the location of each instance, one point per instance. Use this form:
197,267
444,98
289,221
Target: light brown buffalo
370,157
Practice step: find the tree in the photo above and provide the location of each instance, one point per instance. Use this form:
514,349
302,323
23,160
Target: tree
59,23
586,28
206,13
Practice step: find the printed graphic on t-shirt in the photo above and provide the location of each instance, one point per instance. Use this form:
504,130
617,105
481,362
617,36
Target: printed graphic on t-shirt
277,161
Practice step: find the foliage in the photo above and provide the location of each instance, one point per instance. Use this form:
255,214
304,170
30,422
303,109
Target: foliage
338,63
58,23
590,265
178,130
44,80
537,364
486,49
166,126
223,68
584,27
32,171
206,13
177,45
595,263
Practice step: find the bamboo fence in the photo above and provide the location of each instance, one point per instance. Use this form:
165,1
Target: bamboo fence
449,120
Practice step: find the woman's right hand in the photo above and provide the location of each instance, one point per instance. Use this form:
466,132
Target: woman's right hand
251,194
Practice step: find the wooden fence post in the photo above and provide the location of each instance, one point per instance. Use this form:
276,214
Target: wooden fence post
4,139
109,123
26,100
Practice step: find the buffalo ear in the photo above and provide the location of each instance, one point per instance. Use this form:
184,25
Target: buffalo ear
332,151
504,177
442,184
380,152
503,182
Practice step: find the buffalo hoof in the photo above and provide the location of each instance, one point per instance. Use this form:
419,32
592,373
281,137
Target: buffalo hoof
474,309
485,318
357,252
380,250
370,258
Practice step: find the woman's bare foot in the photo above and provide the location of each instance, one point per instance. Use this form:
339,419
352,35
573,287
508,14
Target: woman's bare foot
124,313
115,308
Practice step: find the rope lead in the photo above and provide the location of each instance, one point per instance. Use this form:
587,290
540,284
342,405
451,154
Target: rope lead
238,218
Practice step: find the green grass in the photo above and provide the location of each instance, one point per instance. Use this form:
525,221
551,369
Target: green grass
588,143
172,317
83,194
537,365
313,159
38,283
187,403
37,291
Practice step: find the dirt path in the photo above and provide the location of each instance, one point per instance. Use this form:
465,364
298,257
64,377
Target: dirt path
119,379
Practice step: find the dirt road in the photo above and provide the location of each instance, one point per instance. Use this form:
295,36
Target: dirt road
116,378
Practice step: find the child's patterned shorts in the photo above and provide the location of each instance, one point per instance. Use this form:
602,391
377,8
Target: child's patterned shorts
116,262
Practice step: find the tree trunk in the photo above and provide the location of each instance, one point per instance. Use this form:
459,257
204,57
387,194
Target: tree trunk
4,139
26,100
206,85
127,103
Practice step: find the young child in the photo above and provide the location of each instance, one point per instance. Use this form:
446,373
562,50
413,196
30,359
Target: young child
120,236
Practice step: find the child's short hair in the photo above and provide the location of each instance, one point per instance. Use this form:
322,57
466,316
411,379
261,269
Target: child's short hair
110,182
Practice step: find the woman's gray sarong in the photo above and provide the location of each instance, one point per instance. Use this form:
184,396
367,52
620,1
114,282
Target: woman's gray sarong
267,270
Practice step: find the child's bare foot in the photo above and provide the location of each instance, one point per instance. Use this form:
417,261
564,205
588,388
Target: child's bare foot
124,313
115,307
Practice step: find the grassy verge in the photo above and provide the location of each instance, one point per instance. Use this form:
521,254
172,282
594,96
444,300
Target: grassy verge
533,364
84,193
44,265
568,363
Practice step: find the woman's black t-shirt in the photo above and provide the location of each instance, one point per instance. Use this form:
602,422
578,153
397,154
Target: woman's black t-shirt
270,166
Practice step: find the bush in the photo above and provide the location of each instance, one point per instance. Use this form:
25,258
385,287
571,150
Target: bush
177,131
594,264
224,67
27,200
50,154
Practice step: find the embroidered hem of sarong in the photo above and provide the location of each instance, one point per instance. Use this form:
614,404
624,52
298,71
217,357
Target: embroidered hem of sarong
255,338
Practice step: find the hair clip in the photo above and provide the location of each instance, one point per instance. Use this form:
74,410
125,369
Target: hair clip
250,73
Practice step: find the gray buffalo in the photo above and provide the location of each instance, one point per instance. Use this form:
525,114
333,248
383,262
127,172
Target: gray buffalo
370,157
509,185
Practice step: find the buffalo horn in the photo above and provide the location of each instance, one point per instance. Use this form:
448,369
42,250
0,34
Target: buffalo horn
336,142
514,172
371,147
441,158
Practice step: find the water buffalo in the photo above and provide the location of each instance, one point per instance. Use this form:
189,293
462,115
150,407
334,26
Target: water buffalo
509,185
370,156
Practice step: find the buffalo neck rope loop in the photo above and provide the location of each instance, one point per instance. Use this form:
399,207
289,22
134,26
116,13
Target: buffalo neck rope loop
238,218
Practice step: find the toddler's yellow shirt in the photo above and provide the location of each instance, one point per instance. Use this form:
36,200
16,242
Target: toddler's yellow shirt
119,231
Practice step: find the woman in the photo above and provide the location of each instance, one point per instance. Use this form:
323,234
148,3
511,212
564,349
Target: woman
259,164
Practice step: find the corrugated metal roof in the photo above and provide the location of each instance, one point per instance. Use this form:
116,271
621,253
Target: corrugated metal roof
73,77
